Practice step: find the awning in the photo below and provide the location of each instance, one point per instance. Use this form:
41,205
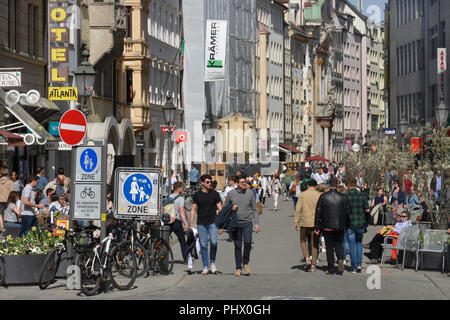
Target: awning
11,139
290,148
282,149
28,120
317,158
41,111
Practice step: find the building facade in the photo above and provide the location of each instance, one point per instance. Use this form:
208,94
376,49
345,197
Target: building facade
417,28
377,103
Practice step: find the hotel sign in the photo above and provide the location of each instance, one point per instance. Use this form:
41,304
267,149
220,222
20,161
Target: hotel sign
59,15
10,79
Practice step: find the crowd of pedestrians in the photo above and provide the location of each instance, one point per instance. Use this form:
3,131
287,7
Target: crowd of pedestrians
33,204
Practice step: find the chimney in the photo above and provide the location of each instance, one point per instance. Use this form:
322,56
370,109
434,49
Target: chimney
361,6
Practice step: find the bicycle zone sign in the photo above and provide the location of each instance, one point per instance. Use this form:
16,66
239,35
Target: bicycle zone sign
88,183
137,193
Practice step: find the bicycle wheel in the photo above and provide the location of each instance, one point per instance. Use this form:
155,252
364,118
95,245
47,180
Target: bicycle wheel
90,275
49,269
142,258
2,272
162,257
122,267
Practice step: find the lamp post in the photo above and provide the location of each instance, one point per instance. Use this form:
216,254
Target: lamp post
169,111
85,78
441,112
403,124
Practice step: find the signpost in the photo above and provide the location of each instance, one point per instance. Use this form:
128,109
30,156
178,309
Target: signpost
356,147
137,193
72,127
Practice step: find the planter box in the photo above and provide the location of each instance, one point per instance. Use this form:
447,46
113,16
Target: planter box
23,269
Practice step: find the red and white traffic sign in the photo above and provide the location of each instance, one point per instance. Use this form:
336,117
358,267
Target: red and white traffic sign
72,127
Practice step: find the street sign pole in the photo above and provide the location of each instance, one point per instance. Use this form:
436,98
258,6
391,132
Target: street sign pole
104,200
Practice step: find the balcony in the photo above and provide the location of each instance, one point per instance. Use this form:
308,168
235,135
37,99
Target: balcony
135,48
313,11
107,29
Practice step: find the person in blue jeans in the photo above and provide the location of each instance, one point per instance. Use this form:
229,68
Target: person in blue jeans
28,205
206,202
353,236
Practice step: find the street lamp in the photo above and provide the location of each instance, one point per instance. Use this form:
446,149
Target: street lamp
85,78
169,111
403,124
441,112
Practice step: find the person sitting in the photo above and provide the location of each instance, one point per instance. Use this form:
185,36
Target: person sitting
413,199
378,204
12,213
375,246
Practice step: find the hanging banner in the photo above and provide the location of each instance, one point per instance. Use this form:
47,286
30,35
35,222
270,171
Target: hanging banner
215,49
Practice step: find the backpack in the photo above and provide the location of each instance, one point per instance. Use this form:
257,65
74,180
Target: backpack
169,214
304,185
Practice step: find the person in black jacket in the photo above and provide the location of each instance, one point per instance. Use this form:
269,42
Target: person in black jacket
332,218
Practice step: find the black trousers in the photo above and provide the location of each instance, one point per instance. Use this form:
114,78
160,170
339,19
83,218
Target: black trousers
333,244
177,228
376,248
243,232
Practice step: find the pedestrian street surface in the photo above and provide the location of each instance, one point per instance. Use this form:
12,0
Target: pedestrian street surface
277,274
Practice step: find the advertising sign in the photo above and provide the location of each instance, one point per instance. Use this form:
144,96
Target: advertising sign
390,132
215,49
63,93
10,79
137,193
442,70
416,145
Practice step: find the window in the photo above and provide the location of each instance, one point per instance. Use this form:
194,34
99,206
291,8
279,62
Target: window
414,57
31,31
129,87
129,13
410,62
420,54
433,42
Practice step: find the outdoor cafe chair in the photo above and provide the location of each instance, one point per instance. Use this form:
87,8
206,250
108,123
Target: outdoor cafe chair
411,242
433,241
398,242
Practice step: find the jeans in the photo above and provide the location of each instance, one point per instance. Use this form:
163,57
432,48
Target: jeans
27,223
208,233
437,194
333,243
9,224
294,199
177,228
353,240
243,232
287,190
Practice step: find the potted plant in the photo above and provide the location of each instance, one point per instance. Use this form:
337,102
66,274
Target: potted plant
24,256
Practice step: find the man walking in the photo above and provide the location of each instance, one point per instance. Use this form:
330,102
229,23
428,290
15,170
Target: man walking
27,205
43,181
436,185
193,176
180,226
333,209
354,234
206,202
304,218
244,205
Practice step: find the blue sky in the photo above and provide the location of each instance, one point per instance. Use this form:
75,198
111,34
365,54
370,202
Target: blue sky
370,10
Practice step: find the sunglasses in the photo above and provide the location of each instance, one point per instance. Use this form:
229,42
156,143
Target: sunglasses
403,216
208,182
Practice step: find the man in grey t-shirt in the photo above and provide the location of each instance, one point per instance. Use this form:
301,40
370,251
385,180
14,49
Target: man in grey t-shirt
244,203
180,226
27,206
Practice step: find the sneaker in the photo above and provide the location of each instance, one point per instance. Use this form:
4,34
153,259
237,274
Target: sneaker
237,272
205,271
213,268
353,271
359,270
247,270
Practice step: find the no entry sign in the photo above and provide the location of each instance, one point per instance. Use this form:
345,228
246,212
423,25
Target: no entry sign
72,127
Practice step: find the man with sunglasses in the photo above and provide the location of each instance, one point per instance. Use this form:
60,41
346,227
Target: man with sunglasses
244,204
206,202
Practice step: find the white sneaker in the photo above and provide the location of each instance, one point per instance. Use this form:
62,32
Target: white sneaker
213,268
205,271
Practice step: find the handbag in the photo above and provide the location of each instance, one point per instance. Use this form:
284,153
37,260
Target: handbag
293,190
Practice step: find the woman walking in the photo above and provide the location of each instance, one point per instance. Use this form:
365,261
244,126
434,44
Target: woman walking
294,190
276,190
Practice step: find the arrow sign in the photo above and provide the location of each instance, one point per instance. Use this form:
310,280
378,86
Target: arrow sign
72,127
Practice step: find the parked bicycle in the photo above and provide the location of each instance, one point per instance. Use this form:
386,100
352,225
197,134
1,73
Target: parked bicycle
159,251
108,260
51,264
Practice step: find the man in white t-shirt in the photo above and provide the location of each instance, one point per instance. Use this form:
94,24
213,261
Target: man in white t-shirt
230,186
27,206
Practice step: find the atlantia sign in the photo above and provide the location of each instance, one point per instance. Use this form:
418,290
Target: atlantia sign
59,51
63,93
215,49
